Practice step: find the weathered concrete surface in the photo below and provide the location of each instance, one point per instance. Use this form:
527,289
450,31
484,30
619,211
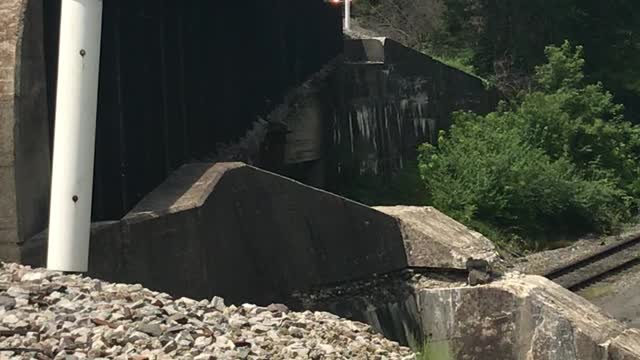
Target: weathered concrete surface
387,303
368,50
32,146
435,240
239,232
106,245
387,100
519,317
9,32
24,136
522,318
367,115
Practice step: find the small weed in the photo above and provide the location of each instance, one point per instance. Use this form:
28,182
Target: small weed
595,292
434,350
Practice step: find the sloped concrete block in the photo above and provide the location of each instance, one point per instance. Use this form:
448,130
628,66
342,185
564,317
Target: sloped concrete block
239,232
434,240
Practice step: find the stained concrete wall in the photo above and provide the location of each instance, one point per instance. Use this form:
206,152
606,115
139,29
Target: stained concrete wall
390,100
24,131
368,114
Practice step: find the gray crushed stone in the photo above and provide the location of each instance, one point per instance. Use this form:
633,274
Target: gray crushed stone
383,289
48,315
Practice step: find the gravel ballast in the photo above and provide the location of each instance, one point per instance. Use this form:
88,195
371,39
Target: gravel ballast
47,315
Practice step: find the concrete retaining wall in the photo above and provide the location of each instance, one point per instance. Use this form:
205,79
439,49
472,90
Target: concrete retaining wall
391,99
24,131
242,233
368,114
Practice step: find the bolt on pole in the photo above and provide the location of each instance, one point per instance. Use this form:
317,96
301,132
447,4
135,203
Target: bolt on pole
74,135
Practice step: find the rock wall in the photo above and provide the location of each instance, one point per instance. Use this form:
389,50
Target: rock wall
24,131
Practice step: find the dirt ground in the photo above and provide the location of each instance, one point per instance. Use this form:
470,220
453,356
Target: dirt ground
538,263
619,295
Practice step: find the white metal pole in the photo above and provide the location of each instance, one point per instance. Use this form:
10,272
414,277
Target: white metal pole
74,136
347,14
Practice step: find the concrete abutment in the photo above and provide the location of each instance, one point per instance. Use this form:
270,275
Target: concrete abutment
24,129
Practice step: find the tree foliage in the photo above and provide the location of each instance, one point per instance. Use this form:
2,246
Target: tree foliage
506,39
558,160
518,31
407,21
417,24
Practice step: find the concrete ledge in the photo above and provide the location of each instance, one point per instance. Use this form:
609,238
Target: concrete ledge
364,51
185,189
434,240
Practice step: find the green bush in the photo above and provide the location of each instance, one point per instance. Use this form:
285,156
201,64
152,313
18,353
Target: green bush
434,350
559,160
403,187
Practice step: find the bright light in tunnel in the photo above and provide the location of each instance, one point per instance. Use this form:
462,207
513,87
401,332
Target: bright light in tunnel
337,2
347,10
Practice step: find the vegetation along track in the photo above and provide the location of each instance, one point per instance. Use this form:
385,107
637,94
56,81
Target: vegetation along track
598,266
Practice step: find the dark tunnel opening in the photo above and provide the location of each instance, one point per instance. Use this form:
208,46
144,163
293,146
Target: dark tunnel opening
179,77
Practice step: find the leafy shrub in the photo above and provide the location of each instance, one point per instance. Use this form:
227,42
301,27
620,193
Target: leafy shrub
403,187
559,160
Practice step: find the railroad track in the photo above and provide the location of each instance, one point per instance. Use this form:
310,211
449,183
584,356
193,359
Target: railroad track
596,267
